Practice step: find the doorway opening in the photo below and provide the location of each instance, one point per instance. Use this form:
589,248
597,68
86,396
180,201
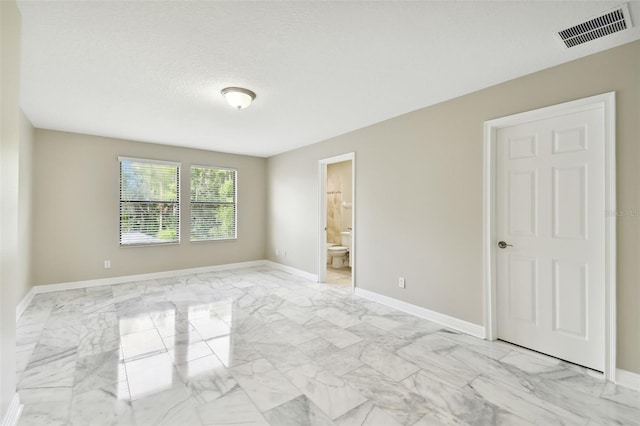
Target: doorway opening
336,227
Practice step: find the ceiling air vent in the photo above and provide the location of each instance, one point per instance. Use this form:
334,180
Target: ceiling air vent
611,22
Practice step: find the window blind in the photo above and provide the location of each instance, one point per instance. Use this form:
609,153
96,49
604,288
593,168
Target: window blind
149,202
213,203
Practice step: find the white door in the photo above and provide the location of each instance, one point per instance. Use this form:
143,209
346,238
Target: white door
550,209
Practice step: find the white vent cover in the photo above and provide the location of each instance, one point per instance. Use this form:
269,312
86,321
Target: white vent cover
617,19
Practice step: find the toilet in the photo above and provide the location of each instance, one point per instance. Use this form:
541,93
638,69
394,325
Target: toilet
338,255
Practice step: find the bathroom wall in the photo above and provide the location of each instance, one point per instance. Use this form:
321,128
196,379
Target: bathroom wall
339,191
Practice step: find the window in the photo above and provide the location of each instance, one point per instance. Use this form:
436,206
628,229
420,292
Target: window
213,203
149,202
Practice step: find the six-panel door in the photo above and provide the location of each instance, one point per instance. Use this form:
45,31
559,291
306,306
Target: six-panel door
550,206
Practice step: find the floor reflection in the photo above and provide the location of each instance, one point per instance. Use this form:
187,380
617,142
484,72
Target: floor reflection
153,343
150,375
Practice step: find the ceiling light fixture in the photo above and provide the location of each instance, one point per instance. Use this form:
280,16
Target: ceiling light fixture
238,97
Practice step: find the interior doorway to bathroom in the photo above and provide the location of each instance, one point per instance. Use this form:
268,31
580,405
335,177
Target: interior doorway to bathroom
336,228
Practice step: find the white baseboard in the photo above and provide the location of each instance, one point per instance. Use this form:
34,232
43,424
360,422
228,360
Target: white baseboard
628,379
292,270
442,319
22,306
13,412
46,288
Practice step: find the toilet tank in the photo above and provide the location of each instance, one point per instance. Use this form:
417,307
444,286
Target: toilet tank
345,239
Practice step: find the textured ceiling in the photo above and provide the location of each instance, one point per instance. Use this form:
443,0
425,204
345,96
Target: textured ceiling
153,71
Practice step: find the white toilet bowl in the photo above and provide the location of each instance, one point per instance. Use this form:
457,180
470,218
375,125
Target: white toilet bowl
337,256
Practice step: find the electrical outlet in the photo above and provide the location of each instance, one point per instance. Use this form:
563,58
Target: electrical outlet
401,282
107,264
277,252
285,253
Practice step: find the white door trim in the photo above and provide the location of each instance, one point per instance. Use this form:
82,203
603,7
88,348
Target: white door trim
322,215
606,101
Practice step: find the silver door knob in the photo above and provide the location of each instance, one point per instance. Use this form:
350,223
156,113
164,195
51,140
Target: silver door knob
502,245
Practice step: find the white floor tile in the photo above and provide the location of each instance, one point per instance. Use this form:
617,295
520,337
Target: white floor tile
259,346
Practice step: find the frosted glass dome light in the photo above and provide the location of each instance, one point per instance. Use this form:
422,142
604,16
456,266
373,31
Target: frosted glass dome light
238,97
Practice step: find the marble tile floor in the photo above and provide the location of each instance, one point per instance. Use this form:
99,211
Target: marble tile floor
259,346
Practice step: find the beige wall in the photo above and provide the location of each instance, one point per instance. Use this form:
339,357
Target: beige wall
9,166
76,203
25,203
419,192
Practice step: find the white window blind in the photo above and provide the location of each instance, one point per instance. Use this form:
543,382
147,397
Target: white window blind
149,202
213,203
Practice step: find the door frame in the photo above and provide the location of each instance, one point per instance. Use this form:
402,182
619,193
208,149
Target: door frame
322,215
607,102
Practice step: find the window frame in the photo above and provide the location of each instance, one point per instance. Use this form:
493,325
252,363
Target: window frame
235,204
178,201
